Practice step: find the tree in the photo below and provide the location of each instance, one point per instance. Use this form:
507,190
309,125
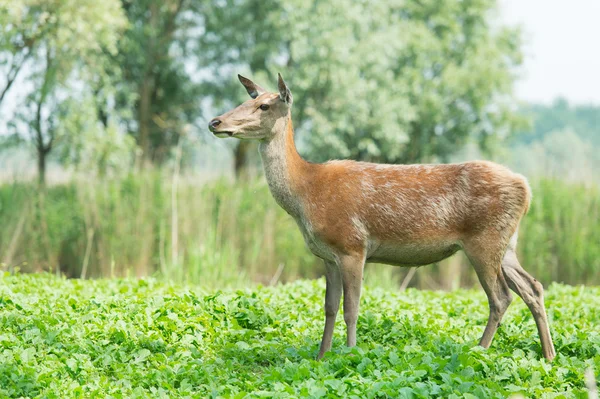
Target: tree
561,141
152,82
23,25
227,49
72,39
400,81
584,120
99,148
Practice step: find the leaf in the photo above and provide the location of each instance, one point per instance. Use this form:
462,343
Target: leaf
242,345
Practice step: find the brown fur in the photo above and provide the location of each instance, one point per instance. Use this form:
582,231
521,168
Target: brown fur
401,201
351,212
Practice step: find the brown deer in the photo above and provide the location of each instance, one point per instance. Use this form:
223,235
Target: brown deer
411,215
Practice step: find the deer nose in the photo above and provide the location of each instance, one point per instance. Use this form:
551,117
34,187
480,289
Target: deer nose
213,124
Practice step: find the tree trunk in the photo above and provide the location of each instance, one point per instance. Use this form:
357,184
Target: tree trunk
101,110
144,118
41,166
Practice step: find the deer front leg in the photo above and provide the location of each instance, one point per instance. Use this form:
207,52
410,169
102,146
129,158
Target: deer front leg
333,293
351,267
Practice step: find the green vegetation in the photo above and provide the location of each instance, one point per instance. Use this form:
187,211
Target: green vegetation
563,142
560,236
60,44
404,82
118,93
223,234
584,120
132,339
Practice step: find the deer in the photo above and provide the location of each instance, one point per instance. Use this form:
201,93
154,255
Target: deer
353,212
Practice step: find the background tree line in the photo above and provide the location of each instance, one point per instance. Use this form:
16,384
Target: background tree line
401,81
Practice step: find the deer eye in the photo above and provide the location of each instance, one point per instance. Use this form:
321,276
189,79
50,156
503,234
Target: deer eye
264,107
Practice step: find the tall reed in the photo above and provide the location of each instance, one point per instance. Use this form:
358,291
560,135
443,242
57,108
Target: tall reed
224,233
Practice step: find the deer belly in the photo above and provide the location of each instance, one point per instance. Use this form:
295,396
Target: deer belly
314,244
412,254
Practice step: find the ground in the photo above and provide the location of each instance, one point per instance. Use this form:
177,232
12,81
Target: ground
141,338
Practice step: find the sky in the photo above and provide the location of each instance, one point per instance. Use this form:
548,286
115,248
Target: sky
562,48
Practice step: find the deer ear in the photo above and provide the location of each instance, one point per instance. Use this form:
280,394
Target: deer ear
252,88
284,92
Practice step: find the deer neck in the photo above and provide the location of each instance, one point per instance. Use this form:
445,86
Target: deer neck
285,169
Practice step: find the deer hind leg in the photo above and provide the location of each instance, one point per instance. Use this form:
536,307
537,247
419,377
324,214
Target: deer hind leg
333,293
485,255
532,293
351,268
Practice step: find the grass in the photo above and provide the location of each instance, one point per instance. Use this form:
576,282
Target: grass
230,234
142,338
560,236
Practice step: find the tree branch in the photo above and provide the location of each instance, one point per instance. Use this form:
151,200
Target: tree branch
12,74
28,43
170,24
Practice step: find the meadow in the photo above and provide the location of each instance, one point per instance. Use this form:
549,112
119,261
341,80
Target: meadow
127,338
155,285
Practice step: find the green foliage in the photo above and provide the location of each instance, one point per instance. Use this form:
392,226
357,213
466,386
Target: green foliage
584,120
563,141
559,239
560,155
155,96
65,43
89,146
133,339
225,234
400,81
75,33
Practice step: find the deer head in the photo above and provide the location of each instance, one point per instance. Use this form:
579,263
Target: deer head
256,118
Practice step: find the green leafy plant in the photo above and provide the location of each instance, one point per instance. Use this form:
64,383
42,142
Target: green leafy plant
142,338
